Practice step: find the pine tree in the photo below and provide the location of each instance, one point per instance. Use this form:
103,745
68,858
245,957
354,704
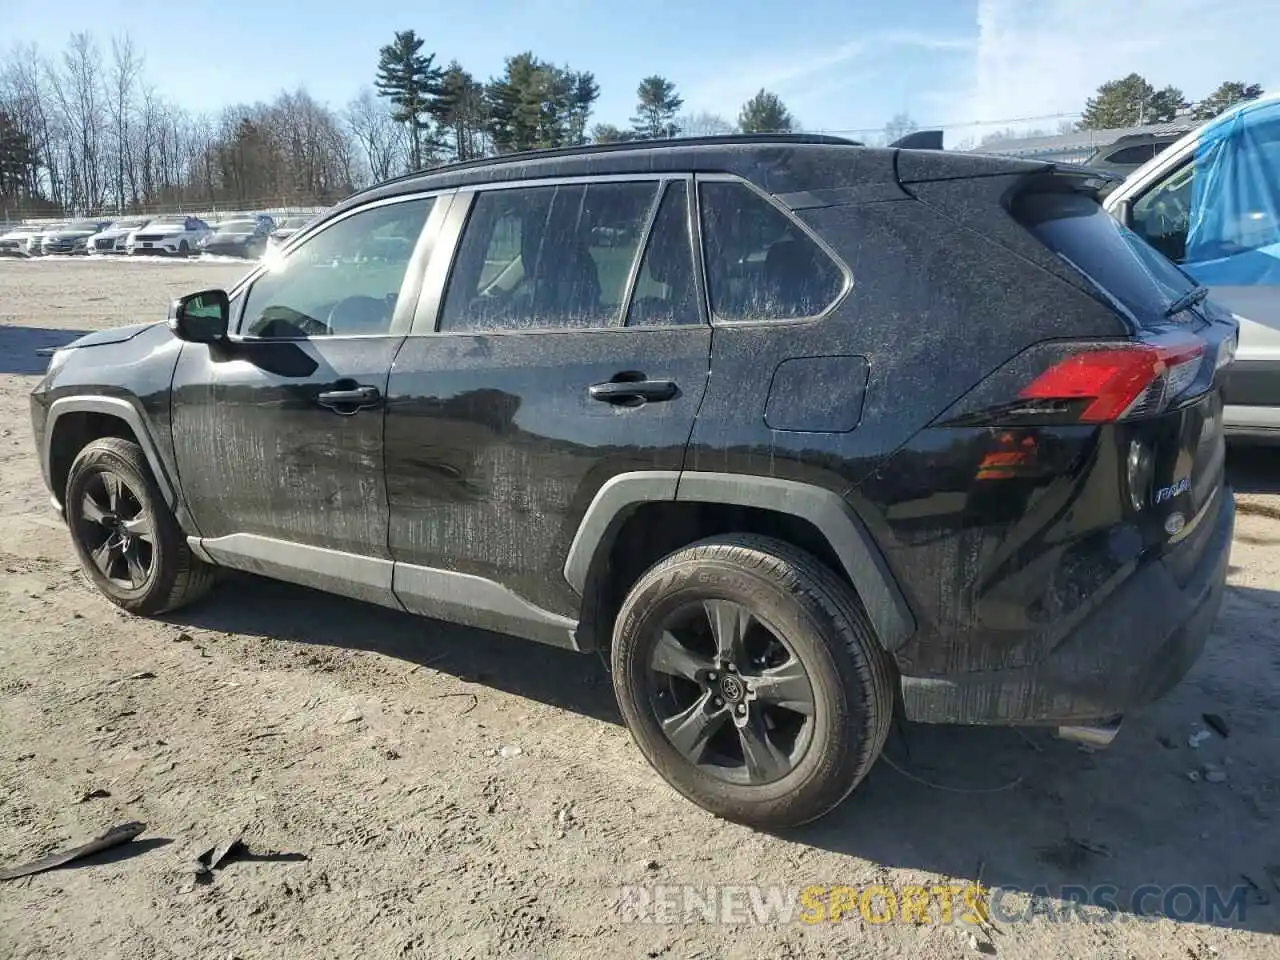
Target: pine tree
459,108
656,109
408,78
17,159
765,113
1227,95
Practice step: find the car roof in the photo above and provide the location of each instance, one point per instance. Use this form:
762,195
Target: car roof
778,163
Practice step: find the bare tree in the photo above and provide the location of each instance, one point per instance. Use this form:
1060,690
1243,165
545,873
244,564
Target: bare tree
126,68
27,103
381,139
704,125
77,91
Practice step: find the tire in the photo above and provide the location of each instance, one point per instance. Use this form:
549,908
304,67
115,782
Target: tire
804,614
184,250
172,576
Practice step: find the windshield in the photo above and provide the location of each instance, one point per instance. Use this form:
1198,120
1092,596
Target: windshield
85,226
237,226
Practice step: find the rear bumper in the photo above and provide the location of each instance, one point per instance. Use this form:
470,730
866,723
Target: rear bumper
1132,651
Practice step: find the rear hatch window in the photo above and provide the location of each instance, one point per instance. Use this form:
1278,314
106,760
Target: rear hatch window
1125,270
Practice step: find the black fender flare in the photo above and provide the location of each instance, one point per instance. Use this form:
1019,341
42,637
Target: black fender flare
857,552
121,409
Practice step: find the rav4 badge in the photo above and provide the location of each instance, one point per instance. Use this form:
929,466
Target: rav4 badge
1168,493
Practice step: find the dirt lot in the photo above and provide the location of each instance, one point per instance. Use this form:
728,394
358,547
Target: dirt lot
411,789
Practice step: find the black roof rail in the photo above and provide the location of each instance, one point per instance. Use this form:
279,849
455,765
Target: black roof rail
593,149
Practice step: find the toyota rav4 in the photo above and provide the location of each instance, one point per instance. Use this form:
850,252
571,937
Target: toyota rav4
797,434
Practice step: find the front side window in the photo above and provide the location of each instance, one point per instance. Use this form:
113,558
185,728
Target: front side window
760,264
553,257
342,281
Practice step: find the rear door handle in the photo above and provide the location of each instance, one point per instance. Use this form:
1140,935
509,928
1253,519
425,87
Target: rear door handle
347,402
633,392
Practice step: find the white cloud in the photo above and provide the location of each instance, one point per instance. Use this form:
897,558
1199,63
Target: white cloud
1048,57
799,76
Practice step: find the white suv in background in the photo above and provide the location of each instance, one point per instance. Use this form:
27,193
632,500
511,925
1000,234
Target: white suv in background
1210,204
177,234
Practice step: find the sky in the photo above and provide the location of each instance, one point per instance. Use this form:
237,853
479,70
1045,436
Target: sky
839,65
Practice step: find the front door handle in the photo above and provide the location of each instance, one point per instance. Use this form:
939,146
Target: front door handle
347,402
632,393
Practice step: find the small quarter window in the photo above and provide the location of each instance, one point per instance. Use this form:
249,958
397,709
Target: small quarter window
665,293
760,264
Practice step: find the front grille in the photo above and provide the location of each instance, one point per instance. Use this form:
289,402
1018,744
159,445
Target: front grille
104,244
150,237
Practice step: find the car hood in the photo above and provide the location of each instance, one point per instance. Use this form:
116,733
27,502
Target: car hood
68,234
163,230
114,335
229,237
117,231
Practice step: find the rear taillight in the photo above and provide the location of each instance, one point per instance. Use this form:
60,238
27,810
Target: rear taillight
1119,383
1062,382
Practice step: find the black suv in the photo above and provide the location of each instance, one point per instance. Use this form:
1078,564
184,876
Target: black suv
796,433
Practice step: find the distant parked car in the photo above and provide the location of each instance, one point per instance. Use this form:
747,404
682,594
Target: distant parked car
114,236
72,237
45,231
286,227
20,241
237,238
176,234
1129,153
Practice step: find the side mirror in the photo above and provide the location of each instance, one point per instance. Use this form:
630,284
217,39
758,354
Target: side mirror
201,317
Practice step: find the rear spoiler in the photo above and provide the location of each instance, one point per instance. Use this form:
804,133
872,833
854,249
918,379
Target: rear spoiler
920,140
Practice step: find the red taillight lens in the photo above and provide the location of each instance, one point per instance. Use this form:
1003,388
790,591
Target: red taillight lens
1120,382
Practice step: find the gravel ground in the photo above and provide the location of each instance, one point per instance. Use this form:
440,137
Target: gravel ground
406,788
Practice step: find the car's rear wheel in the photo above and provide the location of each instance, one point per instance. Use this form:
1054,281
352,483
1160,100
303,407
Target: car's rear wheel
128,540
752,680
183,249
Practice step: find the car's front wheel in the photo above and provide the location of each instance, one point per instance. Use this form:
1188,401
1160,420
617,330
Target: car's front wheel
751,680
128,540
184,249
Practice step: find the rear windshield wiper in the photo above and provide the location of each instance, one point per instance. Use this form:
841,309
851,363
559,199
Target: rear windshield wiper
1192,298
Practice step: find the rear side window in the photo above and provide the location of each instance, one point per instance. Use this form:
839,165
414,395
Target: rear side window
1113,257
547,258
760,264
